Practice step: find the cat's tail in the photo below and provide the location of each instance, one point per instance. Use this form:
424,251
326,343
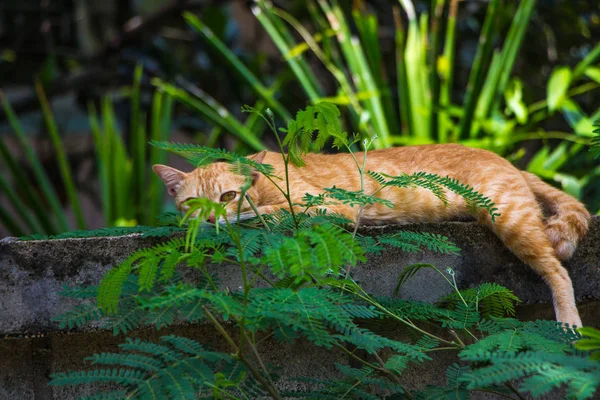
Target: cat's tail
568,219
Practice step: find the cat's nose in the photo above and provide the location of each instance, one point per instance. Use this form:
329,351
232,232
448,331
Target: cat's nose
211,218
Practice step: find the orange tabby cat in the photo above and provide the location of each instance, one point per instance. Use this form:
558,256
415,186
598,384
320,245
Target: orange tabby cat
520,197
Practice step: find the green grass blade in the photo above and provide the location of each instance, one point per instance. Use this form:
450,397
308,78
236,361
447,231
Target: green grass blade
258,87
138,148
102,147
359,70
42,178
403,96
480,63
514,39
65,169
157,133
120,166
418,83
445,69
9,223
437,25
282,39
345,87
18,205
210,108
368,29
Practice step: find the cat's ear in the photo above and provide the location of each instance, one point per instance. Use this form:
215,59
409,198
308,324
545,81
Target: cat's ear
259,158
172,177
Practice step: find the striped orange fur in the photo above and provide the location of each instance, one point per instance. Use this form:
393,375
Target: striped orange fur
522,199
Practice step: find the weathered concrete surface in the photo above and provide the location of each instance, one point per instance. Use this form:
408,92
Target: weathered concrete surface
31,274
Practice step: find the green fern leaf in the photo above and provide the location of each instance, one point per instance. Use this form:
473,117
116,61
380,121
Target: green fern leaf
148,269
78,316
115,395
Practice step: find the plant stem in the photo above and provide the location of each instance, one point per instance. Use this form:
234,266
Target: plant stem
262,220
256,374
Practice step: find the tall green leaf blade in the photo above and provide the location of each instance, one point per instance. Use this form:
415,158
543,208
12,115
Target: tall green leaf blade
63,164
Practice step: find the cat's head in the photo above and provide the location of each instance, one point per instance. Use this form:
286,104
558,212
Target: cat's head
215,182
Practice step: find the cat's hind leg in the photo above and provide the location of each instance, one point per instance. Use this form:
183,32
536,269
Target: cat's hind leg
521,228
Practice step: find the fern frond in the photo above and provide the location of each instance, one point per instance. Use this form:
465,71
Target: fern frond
175,368
313,126
493,300
415,241
127,360
201,155
355,198
581,375
114,395
437,185
315,251
78,316
78,292
120,376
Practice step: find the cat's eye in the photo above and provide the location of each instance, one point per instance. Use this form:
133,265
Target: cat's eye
228,196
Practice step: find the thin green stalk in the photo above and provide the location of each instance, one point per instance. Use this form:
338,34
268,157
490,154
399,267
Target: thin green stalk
38,170
586,62
255,373
258,87
138,149
480,63
63,164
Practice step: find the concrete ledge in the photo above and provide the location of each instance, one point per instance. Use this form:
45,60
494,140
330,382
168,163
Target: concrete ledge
31,274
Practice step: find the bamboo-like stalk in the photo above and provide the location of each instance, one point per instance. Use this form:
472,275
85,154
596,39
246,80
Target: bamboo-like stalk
480,63
63,164
235,62
40,174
